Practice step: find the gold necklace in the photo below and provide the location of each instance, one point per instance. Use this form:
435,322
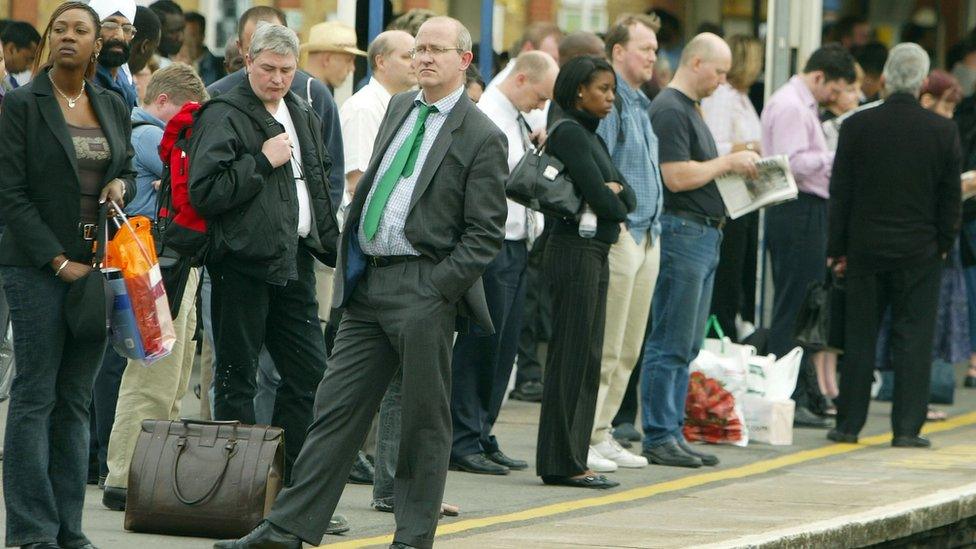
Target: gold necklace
71,102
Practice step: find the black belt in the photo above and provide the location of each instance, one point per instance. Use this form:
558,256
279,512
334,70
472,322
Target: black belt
387,260
87,231
715,222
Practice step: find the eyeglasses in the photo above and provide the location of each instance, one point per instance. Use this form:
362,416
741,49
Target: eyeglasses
432,50
112,26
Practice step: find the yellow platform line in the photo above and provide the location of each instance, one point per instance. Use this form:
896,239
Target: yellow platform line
691,481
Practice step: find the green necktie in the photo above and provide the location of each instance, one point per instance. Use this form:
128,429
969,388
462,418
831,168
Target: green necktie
403,164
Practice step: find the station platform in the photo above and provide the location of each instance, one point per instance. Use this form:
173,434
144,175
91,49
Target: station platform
812,494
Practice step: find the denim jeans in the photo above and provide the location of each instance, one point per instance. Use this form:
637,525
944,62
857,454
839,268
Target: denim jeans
388,441
689,257
45,464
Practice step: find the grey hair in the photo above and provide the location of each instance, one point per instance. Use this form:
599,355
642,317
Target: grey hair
906,68
277,39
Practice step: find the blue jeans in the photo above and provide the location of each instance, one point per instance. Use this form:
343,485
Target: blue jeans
45,465
689,257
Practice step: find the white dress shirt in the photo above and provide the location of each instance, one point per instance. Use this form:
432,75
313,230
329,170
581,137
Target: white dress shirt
536,118
304,203
503,113
731,117
360,118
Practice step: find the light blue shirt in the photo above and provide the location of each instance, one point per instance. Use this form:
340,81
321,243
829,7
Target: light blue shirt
148,166
389,238
635,155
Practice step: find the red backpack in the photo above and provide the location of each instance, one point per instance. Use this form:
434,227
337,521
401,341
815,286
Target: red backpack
178,224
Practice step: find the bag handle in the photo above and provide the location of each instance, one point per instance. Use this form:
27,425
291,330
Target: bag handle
181,444
713,324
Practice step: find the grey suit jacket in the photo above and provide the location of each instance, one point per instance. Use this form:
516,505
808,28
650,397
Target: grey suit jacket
457,210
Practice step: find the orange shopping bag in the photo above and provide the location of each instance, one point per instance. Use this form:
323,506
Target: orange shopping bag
133,252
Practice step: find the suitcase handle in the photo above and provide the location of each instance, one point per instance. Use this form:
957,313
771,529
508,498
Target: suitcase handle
229,449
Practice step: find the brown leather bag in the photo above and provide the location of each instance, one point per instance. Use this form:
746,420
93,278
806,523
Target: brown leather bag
213,479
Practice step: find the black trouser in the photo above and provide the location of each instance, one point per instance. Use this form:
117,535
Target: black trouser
796,233
732,294
580,273
536,318
395,318
913,295
482,364
248,313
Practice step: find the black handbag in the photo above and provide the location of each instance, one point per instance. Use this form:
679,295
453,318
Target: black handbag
86,303
820,322
539,182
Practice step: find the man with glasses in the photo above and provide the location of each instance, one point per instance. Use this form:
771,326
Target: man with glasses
117,33
427,218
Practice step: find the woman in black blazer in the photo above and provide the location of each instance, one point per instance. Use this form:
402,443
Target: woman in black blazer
579,272
64,148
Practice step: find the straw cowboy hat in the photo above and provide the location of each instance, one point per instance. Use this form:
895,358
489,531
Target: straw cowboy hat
332,36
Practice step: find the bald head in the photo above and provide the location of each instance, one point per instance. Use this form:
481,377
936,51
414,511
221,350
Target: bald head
580,43
706,47
704,63
389,59
535,65
442,21
531,81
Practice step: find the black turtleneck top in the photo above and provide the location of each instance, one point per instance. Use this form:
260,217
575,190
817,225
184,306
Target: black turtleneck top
589,166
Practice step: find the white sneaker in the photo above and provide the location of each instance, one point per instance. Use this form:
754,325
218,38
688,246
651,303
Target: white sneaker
612,450
598,463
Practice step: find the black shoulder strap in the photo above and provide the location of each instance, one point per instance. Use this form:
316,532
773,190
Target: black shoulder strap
618,104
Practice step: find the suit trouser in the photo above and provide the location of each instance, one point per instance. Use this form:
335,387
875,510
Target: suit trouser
633,275
796,233
248,313
733,294
395,317
912,294
153,391
482,364
579,273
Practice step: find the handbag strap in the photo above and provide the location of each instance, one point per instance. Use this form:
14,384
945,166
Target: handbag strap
181,444
552,128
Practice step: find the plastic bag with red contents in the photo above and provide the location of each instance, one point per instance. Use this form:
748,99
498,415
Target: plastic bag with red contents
133,252
711,413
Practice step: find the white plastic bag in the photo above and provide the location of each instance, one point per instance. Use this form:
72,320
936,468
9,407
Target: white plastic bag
730,371
769,421
774,379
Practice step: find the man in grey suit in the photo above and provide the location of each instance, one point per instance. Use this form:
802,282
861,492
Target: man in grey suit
427,218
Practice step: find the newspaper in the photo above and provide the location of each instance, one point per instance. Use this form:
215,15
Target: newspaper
831,127
774,185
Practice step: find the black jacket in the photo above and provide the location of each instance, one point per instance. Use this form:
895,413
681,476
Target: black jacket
252,208
895,189
588,164
40,195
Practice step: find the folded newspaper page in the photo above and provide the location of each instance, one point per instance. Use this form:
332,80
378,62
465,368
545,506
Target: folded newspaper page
774,185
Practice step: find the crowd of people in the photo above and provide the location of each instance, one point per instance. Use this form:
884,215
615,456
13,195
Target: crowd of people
368,287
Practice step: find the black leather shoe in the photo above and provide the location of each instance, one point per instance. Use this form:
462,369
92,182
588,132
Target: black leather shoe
513,464
672,455
398,545
362,471
710,460
478,463
805,418
842,437
41,545
265,536
969,382
114,498
85,546
911,442
530,391
598,482
337,525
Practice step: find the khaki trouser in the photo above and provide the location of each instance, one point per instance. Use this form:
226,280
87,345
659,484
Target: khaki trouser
633,274
153,391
